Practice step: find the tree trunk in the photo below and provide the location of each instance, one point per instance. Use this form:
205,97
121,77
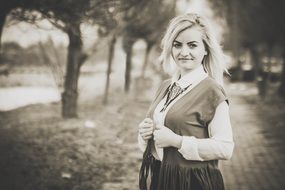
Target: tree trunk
3,15
235,38
267,70
74,61
129,53
5,9
148,48
281,89
110,60
128,70
256,62
128,43
261,85
2,22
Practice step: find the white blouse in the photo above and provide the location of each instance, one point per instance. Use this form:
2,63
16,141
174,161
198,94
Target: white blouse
220,143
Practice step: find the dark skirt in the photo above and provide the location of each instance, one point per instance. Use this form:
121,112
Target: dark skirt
182,178
177,173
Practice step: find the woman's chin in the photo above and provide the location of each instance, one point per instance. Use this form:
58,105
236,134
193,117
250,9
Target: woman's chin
185,62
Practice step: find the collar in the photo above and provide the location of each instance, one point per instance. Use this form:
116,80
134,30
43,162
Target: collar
195,76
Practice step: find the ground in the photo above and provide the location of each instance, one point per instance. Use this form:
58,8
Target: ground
40,150
98,150
258,128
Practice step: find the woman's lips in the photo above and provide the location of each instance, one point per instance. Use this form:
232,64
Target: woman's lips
185,59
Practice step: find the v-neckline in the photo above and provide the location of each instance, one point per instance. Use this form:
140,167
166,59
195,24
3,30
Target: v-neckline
161,96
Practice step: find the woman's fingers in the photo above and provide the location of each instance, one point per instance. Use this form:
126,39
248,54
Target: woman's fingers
146,128
147,137
148,120
144,132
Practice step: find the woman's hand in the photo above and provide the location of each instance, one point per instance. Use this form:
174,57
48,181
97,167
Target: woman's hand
164,137
146,128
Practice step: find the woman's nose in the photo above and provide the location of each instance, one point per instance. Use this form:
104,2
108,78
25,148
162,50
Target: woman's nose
184,51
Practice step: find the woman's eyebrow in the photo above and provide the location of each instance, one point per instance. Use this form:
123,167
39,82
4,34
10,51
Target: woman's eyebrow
175,41
192,42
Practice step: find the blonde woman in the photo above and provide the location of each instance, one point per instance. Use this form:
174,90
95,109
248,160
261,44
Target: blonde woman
187,128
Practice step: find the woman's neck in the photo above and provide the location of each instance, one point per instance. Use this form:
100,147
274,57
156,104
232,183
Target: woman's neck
183,72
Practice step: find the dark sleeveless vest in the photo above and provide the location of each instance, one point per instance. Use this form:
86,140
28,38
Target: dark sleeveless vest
189,116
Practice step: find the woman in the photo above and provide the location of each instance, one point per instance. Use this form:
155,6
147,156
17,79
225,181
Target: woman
187,129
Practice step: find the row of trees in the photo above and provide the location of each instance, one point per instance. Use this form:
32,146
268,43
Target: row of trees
140,22
131,19
255,23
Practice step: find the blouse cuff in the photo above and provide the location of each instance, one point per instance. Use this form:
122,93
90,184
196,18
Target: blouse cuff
142,143
189,148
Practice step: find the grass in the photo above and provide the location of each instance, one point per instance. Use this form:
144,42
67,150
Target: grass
45,147
40,150
28,76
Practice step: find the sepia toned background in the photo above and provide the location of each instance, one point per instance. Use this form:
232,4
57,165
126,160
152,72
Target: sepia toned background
77,76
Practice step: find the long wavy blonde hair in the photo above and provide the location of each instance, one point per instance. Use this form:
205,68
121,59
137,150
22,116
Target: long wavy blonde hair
213,62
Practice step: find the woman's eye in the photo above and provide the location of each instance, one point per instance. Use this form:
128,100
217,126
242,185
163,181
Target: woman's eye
176,45
192,45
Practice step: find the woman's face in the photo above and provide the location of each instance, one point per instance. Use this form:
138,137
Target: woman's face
188,49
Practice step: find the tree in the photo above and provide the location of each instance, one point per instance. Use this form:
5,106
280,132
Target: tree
67,15
5,8
145,24
154,34
259,22
112,42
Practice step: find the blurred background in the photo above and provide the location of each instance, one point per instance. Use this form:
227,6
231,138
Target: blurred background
76,78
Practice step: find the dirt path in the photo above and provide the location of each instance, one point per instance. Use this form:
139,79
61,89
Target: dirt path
257,162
